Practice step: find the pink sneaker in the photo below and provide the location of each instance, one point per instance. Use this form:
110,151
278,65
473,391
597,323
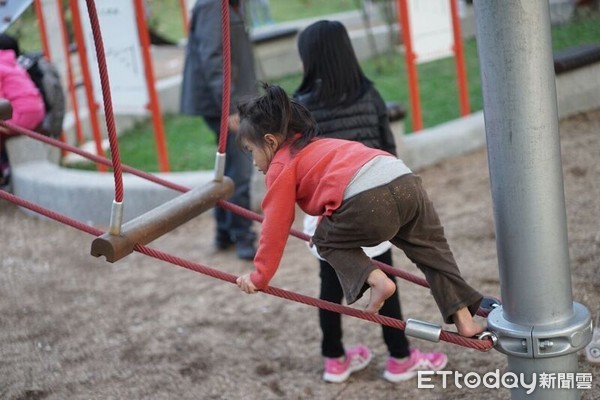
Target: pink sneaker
397,371
337,370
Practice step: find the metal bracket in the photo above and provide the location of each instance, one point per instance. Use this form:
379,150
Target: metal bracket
219,166
592,350
423,330
542,341
116,218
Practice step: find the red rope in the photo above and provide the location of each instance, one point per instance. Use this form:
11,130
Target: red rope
108,110
223,128
117,167
224,204
50,214
226,76
450,337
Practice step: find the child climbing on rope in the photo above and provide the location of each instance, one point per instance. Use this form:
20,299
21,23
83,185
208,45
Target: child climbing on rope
364,196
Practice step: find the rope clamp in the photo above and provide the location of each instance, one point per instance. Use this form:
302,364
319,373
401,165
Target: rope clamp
219,167
423,330
116,218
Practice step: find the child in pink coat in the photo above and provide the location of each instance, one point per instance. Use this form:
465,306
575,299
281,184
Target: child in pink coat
26,100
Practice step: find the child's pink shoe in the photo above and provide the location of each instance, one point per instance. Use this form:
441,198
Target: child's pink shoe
397,371
337,370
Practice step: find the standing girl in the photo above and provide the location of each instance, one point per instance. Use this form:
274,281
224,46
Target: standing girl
364,196
346,105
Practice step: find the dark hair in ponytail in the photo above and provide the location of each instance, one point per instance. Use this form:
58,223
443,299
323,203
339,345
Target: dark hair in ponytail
275,113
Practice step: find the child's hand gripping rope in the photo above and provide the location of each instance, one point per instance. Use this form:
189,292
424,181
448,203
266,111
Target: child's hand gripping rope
245,283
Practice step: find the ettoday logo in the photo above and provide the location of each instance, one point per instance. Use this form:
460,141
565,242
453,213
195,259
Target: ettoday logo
509,380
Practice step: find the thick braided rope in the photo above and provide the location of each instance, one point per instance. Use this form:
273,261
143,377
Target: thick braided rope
224,204
481,345
226,45
450,337
106,96
116,162
117,168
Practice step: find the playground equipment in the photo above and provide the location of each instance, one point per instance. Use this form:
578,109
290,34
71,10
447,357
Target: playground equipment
120,242
539,327
161,220
482,344
426,28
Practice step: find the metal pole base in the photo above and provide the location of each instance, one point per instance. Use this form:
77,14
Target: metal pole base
542,341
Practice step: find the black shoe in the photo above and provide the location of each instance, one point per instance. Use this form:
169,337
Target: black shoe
223,241
489,303
245,249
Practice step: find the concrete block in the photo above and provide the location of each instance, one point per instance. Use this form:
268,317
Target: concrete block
23,150
87,196
169,93
578,90
431,146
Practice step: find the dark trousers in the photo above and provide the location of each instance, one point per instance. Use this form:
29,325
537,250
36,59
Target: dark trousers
4,163
331,322
402,213
238,166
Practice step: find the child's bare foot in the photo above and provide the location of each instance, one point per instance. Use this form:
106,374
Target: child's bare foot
382,287
465,324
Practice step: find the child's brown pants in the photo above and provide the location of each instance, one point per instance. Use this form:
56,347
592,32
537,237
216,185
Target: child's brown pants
402,213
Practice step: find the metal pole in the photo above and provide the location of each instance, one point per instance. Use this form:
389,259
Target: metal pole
185,17
154,102
539,326
411,68
39,11
64,35
87,80
459,61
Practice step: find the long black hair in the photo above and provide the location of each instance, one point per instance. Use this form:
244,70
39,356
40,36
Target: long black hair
275,113
332,74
